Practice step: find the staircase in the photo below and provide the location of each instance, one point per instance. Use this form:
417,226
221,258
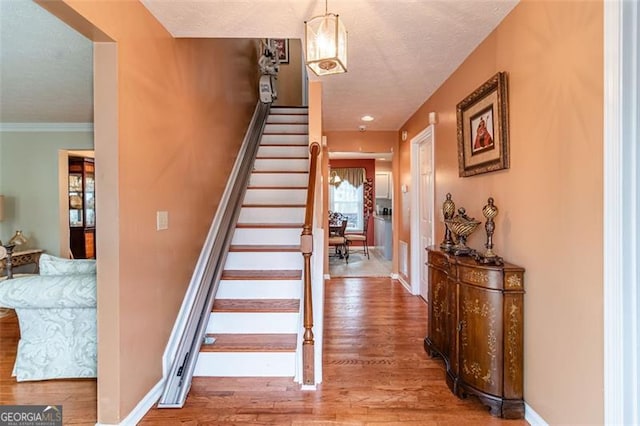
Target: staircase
256,320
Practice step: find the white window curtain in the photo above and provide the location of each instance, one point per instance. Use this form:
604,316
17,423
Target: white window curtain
347,197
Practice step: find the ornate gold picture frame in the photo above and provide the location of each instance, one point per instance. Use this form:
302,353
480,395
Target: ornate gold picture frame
483,128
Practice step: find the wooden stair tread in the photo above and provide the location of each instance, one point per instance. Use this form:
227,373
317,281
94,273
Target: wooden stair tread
251,343
287,123
270,225
273,206
276,187
265,248
281,145
266,157
256,305
279,171
284,134
262,274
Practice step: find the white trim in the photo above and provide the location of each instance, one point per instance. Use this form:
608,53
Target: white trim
46,127
532,417
141,409
425,136
308,388
327,276
402,281
621,213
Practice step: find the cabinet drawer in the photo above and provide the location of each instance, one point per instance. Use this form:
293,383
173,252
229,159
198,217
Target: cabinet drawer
486,278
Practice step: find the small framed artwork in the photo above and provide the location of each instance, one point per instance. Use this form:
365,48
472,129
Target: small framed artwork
483,128
282,47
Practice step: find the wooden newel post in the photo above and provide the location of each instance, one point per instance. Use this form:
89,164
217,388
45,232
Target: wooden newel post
306,247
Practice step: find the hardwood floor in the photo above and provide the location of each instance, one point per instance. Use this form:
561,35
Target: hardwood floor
375,372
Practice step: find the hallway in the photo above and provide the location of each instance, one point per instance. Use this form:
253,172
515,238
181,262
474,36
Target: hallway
359,265
375,372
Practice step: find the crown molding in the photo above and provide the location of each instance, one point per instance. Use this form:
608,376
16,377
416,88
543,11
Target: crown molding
46,127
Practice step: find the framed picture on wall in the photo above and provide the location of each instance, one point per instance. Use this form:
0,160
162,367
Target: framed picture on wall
282,47
483,128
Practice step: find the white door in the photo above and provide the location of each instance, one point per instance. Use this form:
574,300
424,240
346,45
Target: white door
425,206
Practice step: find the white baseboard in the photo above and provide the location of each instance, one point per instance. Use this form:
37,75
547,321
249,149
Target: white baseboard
308,387
402,281
142,408
532,417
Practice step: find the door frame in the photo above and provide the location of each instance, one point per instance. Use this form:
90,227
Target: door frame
621,213
427,135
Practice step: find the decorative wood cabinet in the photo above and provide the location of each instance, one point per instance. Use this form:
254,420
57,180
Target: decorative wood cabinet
82,213
476,326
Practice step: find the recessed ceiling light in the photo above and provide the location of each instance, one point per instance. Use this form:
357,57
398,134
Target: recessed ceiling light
366,118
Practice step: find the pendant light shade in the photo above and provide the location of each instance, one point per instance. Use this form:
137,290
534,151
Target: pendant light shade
326,44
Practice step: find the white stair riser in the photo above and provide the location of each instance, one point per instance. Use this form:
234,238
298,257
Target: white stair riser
276,196
283,151
245,364
267,236
279,179
264,260
271,215
286,128
288,118
285,139
285,165
253,323
285,110
259,289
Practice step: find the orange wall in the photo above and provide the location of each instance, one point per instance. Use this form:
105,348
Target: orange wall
181,116
550,200
289,82
356,141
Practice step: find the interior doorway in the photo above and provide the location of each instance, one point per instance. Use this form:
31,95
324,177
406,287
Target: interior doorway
369,209
422,211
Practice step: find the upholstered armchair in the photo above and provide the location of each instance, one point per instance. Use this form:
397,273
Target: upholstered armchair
57,315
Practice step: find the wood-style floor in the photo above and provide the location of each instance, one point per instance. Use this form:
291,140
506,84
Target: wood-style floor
375,372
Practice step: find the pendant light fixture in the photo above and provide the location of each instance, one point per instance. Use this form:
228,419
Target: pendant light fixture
326,44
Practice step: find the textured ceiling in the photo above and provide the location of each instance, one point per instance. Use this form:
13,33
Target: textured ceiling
46,71
400,52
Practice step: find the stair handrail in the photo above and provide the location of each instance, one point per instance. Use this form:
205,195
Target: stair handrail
306,247
190,326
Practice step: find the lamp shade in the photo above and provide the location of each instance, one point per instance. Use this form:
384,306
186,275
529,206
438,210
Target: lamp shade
326,44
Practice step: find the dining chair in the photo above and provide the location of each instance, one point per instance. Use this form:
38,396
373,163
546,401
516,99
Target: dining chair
360,237
340,242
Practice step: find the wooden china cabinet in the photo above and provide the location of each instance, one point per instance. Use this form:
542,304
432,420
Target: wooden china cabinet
476,326
82,209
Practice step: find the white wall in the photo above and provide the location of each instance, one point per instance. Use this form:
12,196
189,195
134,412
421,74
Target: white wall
29,182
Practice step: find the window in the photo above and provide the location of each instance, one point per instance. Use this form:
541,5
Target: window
348,200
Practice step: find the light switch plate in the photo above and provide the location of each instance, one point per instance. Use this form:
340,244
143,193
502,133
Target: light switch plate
162,220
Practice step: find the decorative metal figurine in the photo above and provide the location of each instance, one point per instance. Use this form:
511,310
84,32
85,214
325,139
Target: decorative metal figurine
489,211
448,209
489,257
462,226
